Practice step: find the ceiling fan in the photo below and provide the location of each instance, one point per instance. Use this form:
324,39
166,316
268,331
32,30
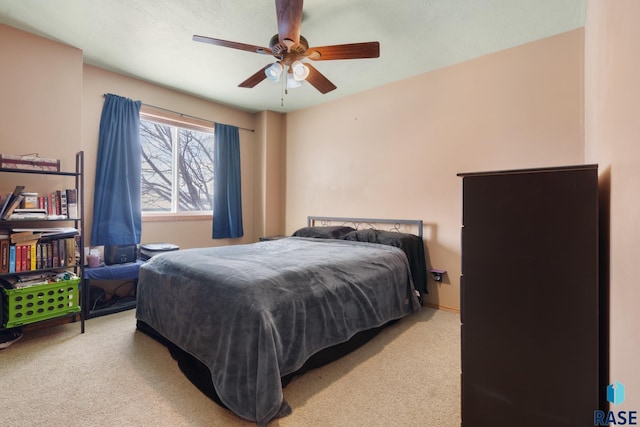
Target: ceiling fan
290,49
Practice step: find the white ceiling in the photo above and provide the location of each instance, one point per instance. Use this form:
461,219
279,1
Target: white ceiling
152,39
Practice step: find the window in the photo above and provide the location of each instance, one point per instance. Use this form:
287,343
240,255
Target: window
177,166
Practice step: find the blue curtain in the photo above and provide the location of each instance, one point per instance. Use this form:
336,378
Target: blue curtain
117,214
227,196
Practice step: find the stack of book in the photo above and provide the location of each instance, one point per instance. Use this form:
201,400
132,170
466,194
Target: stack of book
28,214
35,249
59,204
26,281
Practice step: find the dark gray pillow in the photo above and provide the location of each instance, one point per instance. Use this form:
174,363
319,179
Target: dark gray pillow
324,232
371,235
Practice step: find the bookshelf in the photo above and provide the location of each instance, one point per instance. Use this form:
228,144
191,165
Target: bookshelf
59,293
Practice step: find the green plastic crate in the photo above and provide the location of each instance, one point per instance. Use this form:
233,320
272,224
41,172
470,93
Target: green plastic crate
41,302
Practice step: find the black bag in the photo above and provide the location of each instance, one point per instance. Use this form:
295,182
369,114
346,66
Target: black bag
120,254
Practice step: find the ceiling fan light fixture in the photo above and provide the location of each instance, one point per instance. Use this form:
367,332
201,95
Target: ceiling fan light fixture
274,71
292,82
300,71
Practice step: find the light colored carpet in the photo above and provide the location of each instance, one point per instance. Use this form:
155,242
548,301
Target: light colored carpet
113,375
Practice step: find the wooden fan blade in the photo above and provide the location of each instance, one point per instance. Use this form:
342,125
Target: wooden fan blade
233,45
345,51
256,78
318,80
289,14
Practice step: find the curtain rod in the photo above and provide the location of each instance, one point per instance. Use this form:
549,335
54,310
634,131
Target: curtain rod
185,115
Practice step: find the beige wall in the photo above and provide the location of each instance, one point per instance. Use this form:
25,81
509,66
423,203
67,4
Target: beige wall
40,104
41,93
270,170
612,135
394,152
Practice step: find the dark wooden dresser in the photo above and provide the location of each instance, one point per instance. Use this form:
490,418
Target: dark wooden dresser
529,297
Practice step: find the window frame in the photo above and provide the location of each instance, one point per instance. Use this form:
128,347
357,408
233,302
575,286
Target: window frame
171,118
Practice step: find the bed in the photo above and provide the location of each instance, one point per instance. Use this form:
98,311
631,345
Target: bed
242,319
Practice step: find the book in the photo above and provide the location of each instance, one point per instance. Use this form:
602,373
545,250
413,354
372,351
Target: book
10,199
44,255
26,236
56,196
53,208
47,204
72,203
29,210
12,259
60,234
70,251
63,202
29,283
39,256
14,204
28,214
62,252
26,254
32,255
30,200
17,234
4,255
29,162
55,260
47,231
18,265
5,202
49,256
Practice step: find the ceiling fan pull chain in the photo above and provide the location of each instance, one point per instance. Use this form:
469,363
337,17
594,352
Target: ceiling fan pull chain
284,90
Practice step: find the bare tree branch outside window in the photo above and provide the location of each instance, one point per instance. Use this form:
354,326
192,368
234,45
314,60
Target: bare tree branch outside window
177,168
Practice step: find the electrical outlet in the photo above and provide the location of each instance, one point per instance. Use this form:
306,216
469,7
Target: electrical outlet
437,275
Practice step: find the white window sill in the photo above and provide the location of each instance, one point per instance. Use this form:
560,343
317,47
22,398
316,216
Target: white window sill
176,216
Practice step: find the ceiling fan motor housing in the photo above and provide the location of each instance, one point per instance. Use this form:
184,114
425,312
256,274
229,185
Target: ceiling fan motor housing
280,49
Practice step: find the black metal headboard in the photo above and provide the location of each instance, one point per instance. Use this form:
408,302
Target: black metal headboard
370,222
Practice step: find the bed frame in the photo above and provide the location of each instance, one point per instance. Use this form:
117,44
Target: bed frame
357,223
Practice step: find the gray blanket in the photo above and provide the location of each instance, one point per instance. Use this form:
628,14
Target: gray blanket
254,313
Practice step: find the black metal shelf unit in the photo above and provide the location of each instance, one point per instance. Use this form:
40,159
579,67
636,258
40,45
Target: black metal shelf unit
78,224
